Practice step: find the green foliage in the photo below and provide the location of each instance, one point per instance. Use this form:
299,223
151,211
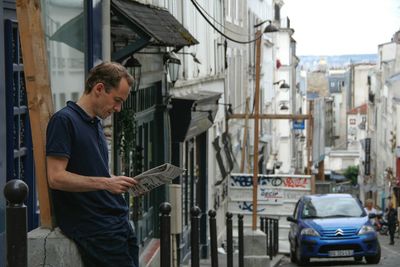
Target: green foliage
351,173
125,132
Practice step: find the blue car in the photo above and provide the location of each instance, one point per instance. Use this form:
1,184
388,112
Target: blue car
332,226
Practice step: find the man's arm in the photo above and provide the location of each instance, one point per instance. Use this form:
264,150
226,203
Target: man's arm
61,179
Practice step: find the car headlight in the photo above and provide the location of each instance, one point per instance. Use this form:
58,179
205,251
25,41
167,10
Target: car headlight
366,229
309,232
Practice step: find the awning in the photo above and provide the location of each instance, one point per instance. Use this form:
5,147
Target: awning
151,26
192,114
133,26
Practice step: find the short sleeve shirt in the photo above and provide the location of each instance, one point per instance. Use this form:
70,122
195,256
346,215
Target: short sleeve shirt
71,133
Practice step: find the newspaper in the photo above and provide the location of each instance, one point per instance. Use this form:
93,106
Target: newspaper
155,177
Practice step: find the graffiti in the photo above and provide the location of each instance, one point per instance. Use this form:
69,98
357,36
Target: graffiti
243,181
295,182
247,206
247,181
274,181
293,195
270,193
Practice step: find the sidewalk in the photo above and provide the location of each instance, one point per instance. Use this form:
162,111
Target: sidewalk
385,239
222,260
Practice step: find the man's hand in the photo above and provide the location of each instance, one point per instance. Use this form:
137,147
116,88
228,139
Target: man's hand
119,184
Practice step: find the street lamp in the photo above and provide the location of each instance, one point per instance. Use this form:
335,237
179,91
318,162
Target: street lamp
269,28
173,64
134,68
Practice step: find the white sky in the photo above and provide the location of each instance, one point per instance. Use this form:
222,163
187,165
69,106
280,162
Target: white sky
336,27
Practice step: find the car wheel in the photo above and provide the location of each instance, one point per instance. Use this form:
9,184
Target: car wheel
358,258
376,258
301,260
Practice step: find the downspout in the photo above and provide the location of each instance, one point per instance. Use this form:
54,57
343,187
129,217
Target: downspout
106,30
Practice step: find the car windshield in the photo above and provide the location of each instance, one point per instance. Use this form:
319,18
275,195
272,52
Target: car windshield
331,208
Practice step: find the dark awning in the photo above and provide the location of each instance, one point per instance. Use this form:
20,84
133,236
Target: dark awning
133,27
148,25
192,114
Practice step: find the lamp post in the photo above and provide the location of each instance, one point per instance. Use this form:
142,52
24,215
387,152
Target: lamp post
269,28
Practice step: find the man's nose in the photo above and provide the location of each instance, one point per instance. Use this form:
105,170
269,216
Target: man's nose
118,107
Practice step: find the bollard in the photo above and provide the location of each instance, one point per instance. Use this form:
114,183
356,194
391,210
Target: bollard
240,235
195,236
16,191
213,238
165,234
229,239
276,235
270,237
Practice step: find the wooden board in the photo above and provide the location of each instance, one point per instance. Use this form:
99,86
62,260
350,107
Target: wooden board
40,103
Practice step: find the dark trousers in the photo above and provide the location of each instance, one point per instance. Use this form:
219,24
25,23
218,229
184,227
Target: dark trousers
118,249
392,230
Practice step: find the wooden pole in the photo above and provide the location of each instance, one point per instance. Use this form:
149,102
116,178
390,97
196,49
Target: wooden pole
256,128
40,103
309,144
244,145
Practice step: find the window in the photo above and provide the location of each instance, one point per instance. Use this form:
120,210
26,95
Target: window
66,59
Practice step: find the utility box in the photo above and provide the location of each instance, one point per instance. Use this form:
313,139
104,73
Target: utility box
175,194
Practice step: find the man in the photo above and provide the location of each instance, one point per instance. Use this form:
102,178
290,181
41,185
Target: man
88,202
391,216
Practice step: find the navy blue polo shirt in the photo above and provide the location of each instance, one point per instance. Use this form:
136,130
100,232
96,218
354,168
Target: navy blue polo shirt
71,133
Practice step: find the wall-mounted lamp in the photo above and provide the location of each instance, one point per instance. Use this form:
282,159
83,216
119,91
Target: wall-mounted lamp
229,110
210,117
173,64
195,59
283,106
278,165
283,84
134,68
270,28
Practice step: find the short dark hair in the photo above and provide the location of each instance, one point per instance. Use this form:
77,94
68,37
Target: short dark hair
108,73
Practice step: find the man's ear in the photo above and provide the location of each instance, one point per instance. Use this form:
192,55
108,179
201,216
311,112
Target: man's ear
98,88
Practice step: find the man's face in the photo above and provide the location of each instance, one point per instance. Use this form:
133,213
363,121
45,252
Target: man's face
111,102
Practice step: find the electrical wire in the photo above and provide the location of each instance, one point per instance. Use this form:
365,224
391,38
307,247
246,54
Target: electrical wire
220,32
217,22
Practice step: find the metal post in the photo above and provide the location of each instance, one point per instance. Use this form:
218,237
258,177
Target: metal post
194,236
270,237
229,239
165,234
16,192
276,236
241,245
213,238
262,225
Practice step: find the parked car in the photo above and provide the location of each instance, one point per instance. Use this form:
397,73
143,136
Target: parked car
331,226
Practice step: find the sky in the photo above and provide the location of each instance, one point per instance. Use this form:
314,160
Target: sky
339,27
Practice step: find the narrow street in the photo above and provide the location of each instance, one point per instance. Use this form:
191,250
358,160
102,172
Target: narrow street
390,257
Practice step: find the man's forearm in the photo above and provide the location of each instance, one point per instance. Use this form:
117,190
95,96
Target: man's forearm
68,181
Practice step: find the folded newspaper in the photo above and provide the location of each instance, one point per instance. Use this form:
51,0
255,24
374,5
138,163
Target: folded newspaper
155,177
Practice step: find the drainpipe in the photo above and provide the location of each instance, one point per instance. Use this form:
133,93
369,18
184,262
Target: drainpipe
106,30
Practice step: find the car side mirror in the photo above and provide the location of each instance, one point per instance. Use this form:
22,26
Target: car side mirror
372,215
291,219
